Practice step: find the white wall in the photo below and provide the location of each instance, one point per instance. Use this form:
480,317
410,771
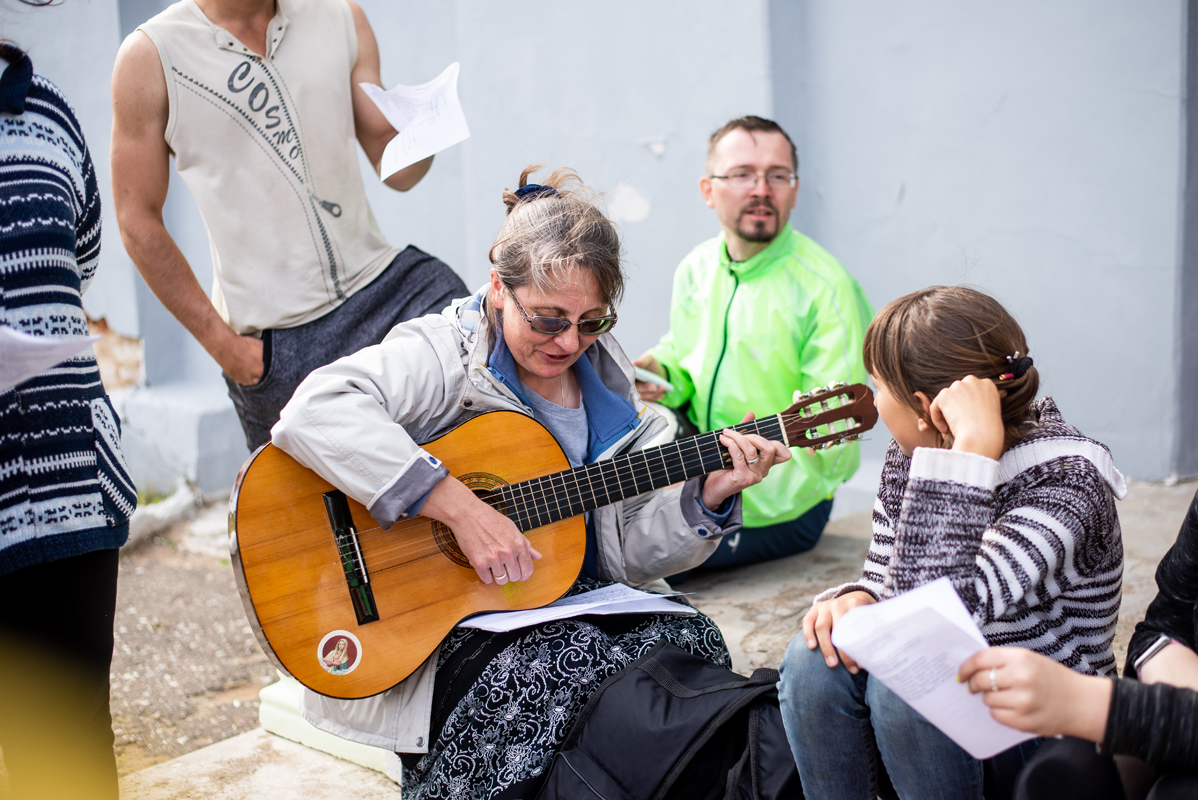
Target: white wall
1030,149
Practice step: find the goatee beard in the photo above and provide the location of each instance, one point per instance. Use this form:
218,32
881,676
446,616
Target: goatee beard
758,231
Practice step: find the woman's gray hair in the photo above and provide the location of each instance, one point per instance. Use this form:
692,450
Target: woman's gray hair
546,235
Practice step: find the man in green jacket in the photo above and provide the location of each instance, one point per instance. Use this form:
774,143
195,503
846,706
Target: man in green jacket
757,313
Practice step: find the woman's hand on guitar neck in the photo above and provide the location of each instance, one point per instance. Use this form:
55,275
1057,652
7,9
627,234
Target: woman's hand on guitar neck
752,457
495,547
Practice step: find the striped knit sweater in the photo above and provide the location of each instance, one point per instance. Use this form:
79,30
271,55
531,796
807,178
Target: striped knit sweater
1031,542
64,487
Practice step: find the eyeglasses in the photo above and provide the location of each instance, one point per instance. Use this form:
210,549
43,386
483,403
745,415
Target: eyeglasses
775,179
555,326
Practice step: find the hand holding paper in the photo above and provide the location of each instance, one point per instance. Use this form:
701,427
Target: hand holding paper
1037,694
914,644
428,117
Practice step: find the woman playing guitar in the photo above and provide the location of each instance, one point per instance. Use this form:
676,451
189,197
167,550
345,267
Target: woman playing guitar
486,710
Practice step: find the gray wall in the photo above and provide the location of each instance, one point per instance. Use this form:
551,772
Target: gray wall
597,87
74,45
1186,457
1035,150
1030,149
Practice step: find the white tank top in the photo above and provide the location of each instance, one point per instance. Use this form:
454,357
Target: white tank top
267,148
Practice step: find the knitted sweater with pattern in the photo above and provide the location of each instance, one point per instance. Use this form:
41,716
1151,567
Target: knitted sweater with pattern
1031,542
64,487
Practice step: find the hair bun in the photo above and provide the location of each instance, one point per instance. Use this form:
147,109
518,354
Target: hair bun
530,191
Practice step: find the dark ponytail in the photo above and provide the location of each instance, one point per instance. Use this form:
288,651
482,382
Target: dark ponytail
925,340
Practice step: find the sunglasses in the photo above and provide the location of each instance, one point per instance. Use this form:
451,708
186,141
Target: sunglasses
553,326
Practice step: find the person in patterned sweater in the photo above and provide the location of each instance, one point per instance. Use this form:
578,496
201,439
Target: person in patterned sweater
65,493
984,485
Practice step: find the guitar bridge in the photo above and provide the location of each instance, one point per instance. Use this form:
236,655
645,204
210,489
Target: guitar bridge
350,551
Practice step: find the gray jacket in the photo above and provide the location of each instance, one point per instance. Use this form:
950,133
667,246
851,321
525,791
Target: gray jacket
357,421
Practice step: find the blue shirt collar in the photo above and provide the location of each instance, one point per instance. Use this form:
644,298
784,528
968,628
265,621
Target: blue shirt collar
610,415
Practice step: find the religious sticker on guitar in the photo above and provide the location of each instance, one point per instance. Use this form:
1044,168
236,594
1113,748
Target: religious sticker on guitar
339,653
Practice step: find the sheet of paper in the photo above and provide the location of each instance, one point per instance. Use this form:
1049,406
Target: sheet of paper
22,356
428,117
914,644
615,599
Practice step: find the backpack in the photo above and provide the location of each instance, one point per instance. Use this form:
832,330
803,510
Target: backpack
672,725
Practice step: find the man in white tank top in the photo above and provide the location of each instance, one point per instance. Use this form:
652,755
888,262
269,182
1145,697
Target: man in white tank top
259,103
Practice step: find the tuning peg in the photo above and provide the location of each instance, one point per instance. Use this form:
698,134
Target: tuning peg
838,385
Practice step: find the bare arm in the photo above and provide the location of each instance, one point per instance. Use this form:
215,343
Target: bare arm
140,177
1176,665
372,128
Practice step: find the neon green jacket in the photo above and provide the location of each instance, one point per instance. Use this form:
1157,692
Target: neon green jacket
745,335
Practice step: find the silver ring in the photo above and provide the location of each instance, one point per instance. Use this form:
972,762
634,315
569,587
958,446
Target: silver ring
754,461
499,577
994,679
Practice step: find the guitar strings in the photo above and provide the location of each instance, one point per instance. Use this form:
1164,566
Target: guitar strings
521,506
408,551
565,497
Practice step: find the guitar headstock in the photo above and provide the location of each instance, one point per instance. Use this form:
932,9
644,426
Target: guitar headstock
825,417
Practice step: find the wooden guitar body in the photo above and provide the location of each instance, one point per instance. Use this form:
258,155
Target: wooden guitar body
349,610
294,586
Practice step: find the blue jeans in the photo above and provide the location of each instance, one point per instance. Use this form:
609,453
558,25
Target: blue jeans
754,545
841,725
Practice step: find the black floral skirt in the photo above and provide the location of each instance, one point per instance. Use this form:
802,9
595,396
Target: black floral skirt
504,702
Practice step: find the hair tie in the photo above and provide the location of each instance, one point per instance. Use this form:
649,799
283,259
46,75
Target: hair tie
1019,366
532,191
14,83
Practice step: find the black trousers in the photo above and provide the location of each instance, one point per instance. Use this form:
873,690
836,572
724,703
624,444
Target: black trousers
55,654
1068,768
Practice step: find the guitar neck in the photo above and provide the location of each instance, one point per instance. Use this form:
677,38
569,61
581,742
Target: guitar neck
555,497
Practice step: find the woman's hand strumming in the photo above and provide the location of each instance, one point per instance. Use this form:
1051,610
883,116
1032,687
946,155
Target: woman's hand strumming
495,547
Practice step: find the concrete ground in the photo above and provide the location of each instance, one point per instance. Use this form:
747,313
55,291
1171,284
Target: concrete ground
187,671
761,608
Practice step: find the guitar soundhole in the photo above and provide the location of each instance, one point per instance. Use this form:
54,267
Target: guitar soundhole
481,483
445,540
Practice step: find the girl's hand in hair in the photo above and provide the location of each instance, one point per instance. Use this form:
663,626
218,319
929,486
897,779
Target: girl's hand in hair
970,410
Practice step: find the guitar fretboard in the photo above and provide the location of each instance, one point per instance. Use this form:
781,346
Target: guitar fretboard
565,494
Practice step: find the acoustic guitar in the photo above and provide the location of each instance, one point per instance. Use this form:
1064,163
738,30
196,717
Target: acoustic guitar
349,610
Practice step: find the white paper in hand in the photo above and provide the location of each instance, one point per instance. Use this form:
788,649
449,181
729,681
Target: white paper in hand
22,356
914,644
428,117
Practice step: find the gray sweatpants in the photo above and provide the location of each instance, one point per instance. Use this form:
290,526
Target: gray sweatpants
412,285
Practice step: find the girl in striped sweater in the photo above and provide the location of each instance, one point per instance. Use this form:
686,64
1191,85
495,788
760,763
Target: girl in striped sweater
984,485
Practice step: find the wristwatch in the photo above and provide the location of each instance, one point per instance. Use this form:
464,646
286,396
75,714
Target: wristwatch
1160,644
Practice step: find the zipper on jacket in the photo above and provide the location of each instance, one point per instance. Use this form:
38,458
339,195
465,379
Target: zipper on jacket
715,373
